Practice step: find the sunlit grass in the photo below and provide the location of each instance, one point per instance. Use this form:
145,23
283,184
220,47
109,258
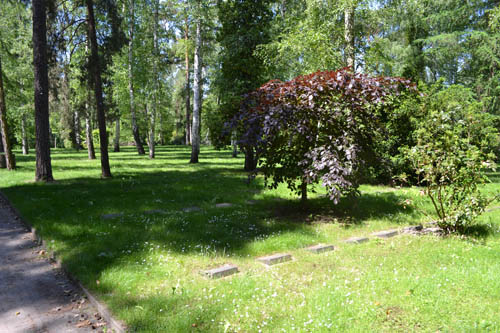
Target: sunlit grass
146,265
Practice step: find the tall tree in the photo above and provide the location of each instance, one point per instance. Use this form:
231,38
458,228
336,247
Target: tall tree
96,71
42,145
349,53
188,84
156,81
197,89
4,131
116,148
135,128
244,26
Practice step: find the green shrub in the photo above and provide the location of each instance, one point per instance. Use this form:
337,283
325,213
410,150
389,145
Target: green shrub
454,144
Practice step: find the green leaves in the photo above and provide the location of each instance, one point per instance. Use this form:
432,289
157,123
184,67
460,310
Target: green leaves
455,141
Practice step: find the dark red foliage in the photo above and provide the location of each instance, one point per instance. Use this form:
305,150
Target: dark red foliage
316,127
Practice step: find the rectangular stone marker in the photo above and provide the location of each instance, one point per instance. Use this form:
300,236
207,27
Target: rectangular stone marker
356,240
385,233
220,272
154,211
111,216
224,205
191,209
275,259
320,248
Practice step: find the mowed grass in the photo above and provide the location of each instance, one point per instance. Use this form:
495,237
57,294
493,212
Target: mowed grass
146,265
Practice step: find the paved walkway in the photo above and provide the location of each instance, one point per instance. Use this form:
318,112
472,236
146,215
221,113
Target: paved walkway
35,296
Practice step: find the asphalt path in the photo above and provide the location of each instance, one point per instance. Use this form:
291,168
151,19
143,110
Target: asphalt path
35,295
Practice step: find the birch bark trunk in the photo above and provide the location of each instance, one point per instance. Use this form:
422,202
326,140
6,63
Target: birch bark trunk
197,89
135,128
188,86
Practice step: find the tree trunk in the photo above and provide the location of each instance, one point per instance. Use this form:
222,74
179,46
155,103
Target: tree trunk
88,132
135,128
96,71
3,164
67,111
234,143
349,36
152,116
24,133
303,192
42,144
197,88
162,135
117,136
250,160
4,131
77,130
188,87
151,132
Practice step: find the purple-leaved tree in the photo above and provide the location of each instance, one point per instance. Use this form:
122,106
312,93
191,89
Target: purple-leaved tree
316,127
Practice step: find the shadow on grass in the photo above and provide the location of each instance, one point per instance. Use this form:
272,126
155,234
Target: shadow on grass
477,231
350,211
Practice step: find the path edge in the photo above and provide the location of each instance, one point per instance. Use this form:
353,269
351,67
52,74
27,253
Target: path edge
114,324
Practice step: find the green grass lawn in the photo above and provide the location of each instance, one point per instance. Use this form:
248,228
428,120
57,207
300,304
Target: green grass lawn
146,266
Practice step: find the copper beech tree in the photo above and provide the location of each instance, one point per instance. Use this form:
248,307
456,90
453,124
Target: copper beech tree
317,127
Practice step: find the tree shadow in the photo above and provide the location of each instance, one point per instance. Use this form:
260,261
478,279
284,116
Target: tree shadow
349,211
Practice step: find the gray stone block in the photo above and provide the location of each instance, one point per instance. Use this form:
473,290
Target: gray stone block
191,209
154,211
386,233
220,272
111,216
320,248
356,240
224,205
275,259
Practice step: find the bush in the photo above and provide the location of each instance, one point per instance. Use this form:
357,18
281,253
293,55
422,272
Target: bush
454,144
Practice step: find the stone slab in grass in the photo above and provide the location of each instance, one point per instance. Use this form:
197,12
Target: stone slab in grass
155,211
220,272
191,209
111,216
320,248
275,259
386,233
251,202
356,240
224,205
413,228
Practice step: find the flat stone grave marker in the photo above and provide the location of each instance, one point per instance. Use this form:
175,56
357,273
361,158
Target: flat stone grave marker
386,233
275,259
154,211
111,216
220,272
356,240
251,202
224,205
320,248
191,209
413,228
